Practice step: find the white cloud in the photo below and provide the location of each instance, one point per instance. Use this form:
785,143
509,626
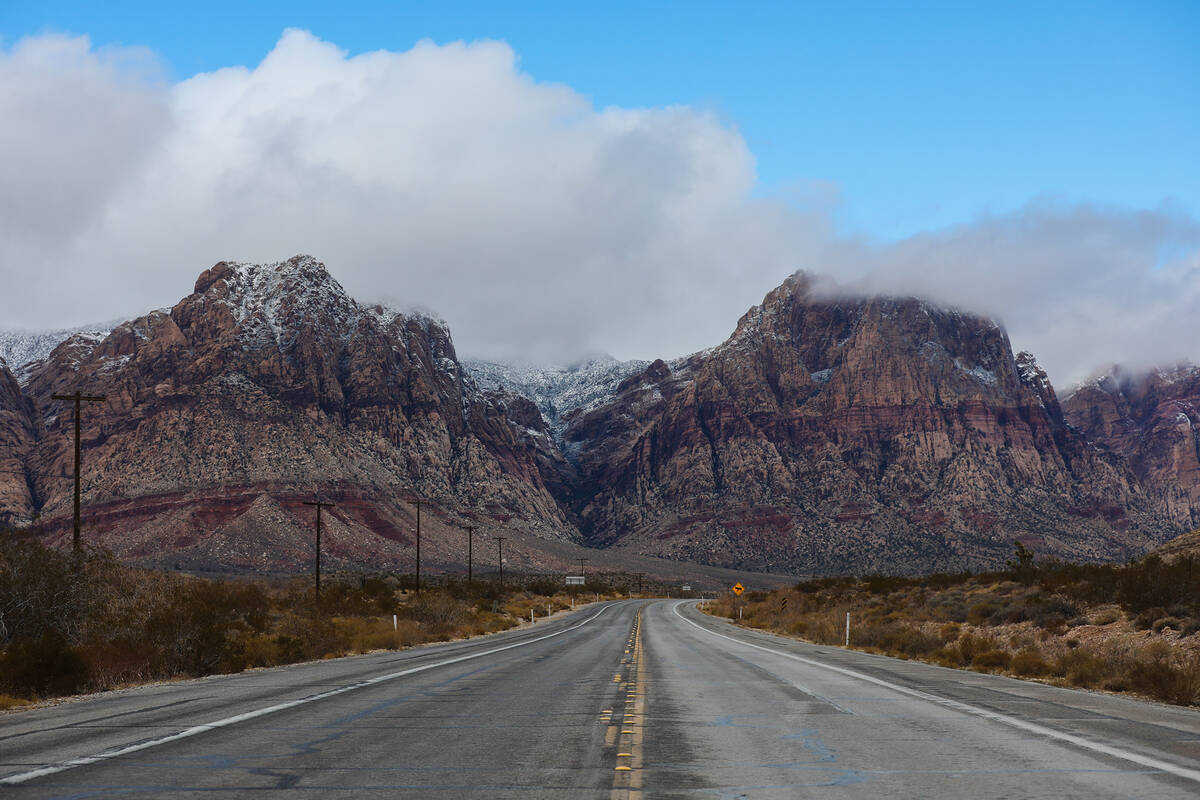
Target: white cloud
1081,287
537,225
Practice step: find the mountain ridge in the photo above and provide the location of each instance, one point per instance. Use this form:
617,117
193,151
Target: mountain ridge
827,433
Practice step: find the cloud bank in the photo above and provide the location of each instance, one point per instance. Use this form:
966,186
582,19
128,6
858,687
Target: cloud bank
539,226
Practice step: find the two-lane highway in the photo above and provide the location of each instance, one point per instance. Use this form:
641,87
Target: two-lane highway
631,699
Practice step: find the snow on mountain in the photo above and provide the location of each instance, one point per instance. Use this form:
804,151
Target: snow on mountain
19,348
556,390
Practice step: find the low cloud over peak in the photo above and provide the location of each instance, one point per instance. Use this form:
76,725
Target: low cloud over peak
539,226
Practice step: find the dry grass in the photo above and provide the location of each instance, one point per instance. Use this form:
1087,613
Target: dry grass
1129,629
70,626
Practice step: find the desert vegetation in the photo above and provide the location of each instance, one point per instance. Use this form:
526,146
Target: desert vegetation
1128,628
71,624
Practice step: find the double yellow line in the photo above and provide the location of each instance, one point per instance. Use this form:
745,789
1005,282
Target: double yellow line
627,733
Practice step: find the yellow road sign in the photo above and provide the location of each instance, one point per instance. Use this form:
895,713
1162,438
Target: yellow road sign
738,588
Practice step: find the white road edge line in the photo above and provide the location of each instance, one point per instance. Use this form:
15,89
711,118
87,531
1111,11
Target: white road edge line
1032,727
63,766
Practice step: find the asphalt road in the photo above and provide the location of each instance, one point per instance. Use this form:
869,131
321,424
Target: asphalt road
632,699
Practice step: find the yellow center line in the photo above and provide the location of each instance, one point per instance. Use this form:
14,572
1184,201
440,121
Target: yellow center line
627,779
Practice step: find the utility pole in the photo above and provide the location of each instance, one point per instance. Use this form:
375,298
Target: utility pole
417,503
470,542
500,550
78,398
640,576
317,560
582,561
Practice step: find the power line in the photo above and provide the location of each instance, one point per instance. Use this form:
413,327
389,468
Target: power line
317,561
417,503
500,540
470,538
78,398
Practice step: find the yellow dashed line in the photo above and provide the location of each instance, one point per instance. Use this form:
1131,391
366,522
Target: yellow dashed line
627,782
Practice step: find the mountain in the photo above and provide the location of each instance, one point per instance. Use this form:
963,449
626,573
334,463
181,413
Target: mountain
840,433
17,433
1152,419
20,348
266,387
556,390
827,434
1184,545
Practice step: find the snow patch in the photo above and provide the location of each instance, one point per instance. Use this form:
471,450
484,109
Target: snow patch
980,374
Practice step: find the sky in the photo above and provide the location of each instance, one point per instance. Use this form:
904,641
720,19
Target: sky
557,179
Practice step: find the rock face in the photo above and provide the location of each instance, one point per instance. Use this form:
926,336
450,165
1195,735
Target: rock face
1152,419
17,433
827,434
837,433
266,386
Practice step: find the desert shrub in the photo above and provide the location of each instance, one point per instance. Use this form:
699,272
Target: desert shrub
950,610
1053,612
1012,612
1029,662
950,631
1155,672
1051,622
1159,625
907,640
1106,616
1191,627
47,665
118,661
439,611
7,702
946,656
991,659
969,645
981,612
1081,668
1076,622
264,651
1146,617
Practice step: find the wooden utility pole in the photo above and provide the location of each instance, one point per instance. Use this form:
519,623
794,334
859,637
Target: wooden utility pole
78,398
470,542
317,561
500,550
417,503
582,561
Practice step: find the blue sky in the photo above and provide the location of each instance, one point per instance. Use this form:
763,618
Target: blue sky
908,116
556,178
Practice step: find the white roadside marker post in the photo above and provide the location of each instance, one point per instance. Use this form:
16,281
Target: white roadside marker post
847,629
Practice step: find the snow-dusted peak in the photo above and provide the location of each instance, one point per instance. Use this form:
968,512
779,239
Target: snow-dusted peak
20,348
556,390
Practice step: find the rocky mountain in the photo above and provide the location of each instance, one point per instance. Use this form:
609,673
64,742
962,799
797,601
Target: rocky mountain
265,387
556,390
17,433
1186,545
1152,419
19,348
835,433
827,434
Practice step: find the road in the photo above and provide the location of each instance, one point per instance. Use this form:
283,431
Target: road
630,699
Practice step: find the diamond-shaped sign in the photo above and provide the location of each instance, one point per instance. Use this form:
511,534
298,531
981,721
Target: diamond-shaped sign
738,589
